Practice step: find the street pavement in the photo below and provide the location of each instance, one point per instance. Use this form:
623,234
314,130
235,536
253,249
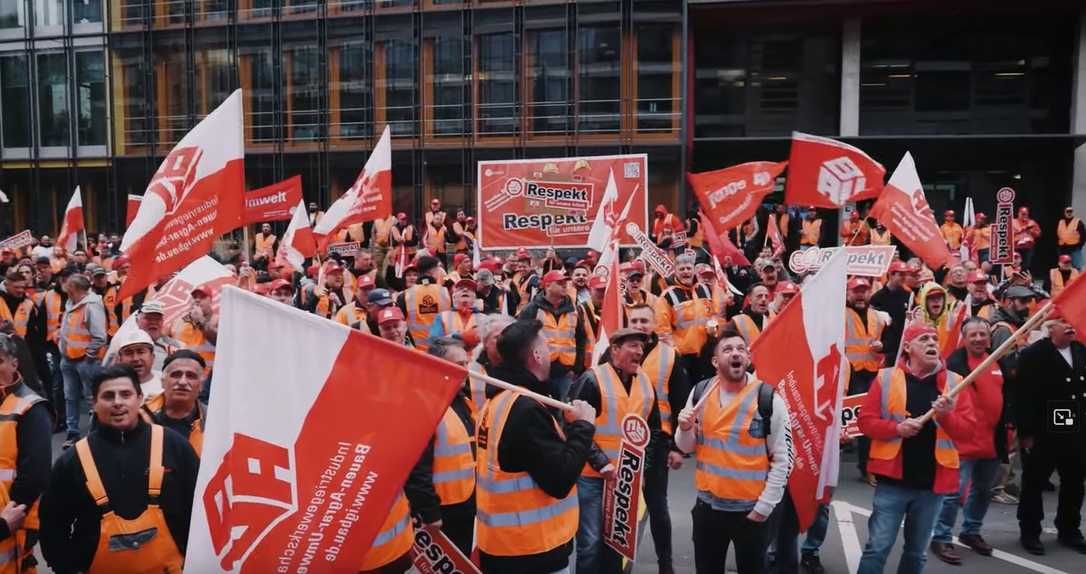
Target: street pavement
847,534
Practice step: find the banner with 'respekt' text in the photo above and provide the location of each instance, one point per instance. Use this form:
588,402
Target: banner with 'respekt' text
553,201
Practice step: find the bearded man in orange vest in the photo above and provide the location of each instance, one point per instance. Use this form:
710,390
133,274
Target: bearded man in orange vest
915,461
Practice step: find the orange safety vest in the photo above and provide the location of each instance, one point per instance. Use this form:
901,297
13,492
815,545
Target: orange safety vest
435,239
859,335
478,389
143,545
454,462
14,406
109,301
747,328
382,229
561,335
514,517
76,335
20,318
731,463
264,245
1057,279
982,237
193,339
880,238
811,233
52,303
615,404
424,302
394,539
452,323
952,234
1067,232
690,310
157,403
350,314
658,367
892,387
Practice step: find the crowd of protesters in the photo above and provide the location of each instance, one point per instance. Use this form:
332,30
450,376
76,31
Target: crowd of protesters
531,317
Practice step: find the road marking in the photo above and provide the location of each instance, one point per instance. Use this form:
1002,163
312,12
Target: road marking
853,545
849,539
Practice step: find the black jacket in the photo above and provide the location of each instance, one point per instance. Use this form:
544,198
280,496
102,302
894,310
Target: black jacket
679,387
1052,385
587,389
530,443
419,488
70,521
895,302
540,303
958,361
35,454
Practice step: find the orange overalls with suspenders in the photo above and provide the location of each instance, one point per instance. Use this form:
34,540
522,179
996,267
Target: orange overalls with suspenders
13,550
135,546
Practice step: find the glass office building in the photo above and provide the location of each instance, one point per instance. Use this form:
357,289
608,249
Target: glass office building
95,92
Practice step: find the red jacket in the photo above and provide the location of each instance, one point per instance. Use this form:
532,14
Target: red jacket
958,425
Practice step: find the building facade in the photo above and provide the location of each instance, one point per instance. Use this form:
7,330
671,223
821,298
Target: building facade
95,92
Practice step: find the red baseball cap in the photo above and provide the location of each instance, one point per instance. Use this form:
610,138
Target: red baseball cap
597,282
333,268
553,276
976,277
366,282
522,253
279,284
1065,259
459,257
857,282
787,288
899,266
388,315
466,284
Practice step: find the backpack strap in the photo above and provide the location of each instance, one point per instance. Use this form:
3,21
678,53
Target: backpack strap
765,402
699,390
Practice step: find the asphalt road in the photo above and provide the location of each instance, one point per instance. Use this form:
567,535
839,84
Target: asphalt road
848,532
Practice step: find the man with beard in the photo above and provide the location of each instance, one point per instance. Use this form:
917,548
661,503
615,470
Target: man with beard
750,323
562,328
177,407
682,312
364,266
863,347
1060,275
579,291
1011,315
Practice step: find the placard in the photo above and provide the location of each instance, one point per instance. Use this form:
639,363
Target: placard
622,496
850,415
863,260
1002,250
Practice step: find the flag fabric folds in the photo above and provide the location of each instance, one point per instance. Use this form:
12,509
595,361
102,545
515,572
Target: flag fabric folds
369,198
732,195
298,242
904,210
827,173
68,238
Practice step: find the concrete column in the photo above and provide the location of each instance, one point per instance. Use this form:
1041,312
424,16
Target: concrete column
850,78
1078,117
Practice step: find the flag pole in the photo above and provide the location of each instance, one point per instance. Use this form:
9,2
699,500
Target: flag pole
994,356
520,391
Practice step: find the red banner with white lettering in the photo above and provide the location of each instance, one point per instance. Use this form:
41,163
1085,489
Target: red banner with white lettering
622,495
274,202
434,553
824,172
297,474
732,195
904,210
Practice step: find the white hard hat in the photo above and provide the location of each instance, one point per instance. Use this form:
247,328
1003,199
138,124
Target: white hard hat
135,337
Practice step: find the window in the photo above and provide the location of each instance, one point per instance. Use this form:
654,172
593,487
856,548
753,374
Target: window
256,74
350,72
214,69
211,10
86,11
53,99
599,99
302,71
549,81
15,101
398,85
171,88
132,102
129,12
12,14
253,9
447,68
90,77
48,13
657,97
497,84
169,12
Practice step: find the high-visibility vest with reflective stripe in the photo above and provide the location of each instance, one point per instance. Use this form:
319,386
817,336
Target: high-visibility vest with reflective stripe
812,232
76,335
394,539
1067,232
435,239
747,328
193,339
453,323
154,405
658,367
53,305
878,238
892,386
952,234
454,464
985,311
691,310
109,301
859,336
615,404
514,517
264,245
423,303
350,314
982,238
478,390
20,317
731,464
561,335
12,409
1057,279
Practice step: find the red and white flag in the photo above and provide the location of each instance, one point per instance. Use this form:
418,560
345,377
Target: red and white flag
297,473
827,173
608,221
903,209
611,313
1071,304
68,238
369,198
732,195
773,235
801,353
196,195
131,208
720,246
298,242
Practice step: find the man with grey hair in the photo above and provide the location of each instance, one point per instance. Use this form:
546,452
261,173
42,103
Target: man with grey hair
485,356
682,312
441,487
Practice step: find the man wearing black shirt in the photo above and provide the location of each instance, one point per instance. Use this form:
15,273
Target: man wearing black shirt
893,298
177,407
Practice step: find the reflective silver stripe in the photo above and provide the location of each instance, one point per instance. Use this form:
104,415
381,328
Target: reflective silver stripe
527,517
691,322
386,536
443,447
865,356
8,555
735,431
731,472
496,486
664,362
453,475
7,474
885,376
944,443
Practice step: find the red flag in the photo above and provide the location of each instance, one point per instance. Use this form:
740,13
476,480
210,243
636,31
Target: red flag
1071,303
298,242
68,238
194,197
801,353
294,459
611,313
132,207
274,202
904,210
369,198
827,173
720,246
954,327
773,235
731,195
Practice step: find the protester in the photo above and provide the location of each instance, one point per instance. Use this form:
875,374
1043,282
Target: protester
355,311
952,231
19,309
143,475
422,303
1049,434
864,350
136,349
1059,276
855,231
82,344
1070,236
756,316
893,299
682,312
198,329
264,245
562,328
915,461
460,320
178,407
1026,233
528,463
981,303
811,231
